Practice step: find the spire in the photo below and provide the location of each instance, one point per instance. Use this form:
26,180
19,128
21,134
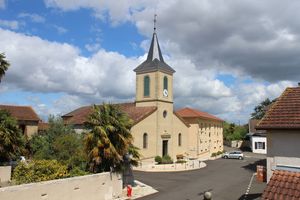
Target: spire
155,61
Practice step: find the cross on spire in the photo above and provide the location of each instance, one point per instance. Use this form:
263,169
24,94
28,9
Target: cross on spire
154,22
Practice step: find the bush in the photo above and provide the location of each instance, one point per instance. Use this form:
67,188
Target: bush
158,159
77,172
181,161
39,170
166,160
213,154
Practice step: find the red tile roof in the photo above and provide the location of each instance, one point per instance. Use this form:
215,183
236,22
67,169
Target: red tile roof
188,112
283,185
79,116
284,113
22,113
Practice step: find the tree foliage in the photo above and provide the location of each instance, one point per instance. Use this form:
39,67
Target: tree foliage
59,142
4,64
108,138
39,170
234,132
260,110
12,141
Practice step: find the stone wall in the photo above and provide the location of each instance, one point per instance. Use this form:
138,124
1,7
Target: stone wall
103,186
5,173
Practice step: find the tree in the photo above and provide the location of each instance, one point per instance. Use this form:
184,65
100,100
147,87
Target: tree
260,110
12,141
3,65
234,132
108,138
59,142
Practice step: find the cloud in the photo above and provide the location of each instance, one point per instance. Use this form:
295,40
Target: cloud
2,4
13,24
60,30
58,67
33,17
252,38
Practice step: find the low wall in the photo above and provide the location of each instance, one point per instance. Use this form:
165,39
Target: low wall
5,173
234,143
103,186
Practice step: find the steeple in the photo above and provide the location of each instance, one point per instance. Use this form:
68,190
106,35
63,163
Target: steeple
155,60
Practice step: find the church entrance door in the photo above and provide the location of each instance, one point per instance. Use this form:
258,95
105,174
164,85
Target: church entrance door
165,148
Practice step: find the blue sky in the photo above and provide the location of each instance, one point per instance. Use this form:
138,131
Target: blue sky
67,54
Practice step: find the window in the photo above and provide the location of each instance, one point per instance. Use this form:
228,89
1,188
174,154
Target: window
145,140
179,139
146,86
165,83
259,145
165,114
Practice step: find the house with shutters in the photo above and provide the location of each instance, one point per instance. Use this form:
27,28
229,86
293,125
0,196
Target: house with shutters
158,129
282,125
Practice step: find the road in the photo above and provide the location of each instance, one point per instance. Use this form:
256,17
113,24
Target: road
226,179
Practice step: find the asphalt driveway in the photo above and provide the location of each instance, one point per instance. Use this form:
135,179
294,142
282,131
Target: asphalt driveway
226,179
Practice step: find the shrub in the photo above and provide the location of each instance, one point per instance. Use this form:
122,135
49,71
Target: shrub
214,154
181,161
219,152
158,159
39,170
77,172
166,160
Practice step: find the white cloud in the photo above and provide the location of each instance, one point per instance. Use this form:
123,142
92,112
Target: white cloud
33,17
59,29
2,4
11,24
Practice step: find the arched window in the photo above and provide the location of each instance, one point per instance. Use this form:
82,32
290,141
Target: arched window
165,83
145,140
179,139
146,86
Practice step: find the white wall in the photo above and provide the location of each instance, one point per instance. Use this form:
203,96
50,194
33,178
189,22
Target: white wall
259,139
283,149
103,186
5,173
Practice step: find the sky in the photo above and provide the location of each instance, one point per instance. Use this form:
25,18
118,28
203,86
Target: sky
228,55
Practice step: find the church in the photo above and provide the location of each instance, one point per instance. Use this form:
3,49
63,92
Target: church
158,130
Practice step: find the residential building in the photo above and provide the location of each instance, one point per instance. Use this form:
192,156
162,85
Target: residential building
26,117
157,129
205,132
282,125
258,138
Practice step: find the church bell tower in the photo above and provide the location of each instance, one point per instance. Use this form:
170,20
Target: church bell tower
154,77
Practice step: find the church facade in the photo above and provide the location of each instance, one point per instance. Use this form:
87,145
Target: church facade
158,129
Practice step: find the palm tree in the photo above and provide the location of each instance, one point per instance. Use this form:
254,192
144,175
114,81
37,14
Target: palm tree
12,142
3,65
108,139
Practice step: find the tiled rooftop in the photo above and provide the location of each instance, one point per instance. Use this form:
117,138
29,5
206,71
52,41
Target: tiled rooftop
284,113
25,113
79,116
283,185
188,112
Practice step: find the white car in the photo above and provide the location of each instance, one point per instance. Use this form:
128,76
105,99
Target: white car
234,154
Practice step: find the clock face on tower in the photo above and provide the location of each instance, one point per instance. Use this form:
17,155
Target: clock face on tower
165,92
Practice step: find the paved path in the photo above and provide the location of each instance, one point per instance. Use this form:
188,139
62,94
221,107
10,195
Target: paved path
226,179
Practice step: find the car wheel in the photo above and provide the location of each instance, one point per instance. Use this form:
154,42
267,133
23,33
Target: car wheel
240,158
225,157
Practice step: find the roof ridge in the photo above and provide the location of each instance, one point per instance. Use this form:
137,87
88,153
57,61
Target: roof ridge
272,107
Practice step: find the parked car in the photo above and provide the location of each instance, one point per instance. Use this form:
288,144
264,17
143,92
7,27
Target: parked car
234,154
